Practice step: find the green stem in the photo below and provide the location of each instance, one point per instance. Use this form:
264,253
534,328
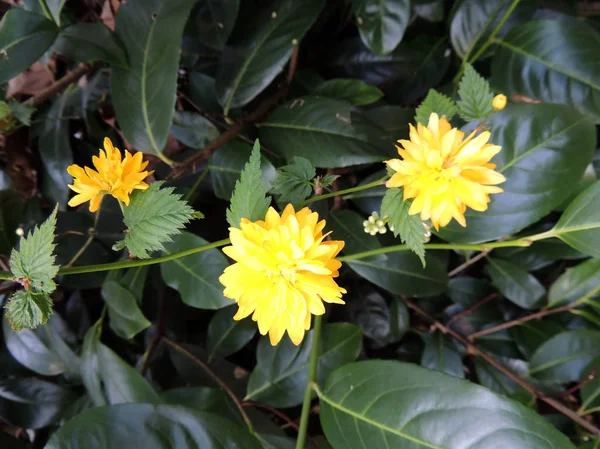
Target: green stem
47,12
310,382
165,159
314,199
190,195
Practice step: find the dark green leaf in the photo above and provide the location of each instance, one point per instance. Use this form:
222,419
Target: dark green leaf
193,130
225,335
249,199
306,127
381,23
196,277
563,358
409,228
24,37
435,102
475,96
55,7
246,70
355,92
153,217
590,388
536,60
375,404
293,181
126,318
576,284
545,149
144,95
516,284
467,291
152,427
85,42
579,225
348,226
27,309
491,378
440,354
280,376
531,335
213,21
202,91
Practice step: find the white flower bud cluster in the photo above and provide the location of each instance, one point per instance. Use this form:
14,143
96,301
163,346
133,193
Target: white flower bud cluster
375,225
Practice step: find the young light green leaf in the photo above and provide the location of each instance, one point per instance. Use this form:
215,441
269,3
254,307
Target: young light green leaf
152,217
293,181
475,96
27,309
249,199
435,102
21,111
33,263
409,227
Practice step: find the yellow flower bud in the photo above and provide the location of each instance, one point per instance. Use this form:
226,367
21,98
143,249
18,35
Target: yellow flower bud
499,102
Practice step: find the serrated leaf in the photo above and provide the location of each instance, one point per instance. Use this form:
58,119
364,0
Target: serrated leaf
435,102
327,180
34,260
408,227
28,309
475,96
152,217
21,111
293,181
249,199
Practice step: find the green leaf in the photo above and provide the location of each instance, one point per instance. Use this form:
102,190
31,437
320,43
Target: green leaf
34,261
108,379
85,42
27,309
355,92
246,70
409,227
576,284
226,165
435,102
531,335
376,404
152,218
280,376
516,284
466,291
590,390
293,181
212,22
491,378
308,125
475,96
440,354
125,317
537,59
195,277
152,427
381,23
21,111
348,226
193,130
249,199
202,92
24,37
225,335
554,147
579,225
144,95
32,403
55,7
563,358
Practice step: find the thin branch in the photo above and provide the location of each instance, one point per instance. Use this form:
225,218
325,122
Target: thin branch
472,349
160,330
474,307
214,377
470,262
59,85
293,65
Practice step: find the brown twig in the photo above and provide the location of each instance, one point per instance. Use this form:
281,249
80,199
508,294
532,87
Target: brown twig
580,385
474,307
59,85
158,335
469,262
477,352
177,347
293,65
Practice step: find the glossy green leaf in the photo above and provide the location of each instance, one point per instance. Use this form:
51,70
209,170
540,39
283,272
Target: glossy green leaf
467,291
55,7
563,358
202,91
32,403
24,37
440,354
545,149
355,92
536,59
195,277
152,427
531,335
590,388
516,284
144,95
85,42
495,380
575,284
203,399
244,71
213,21
377,403
435,102
280,376
304,127
125,317
579,225
381,23
348,226
226,335
193,130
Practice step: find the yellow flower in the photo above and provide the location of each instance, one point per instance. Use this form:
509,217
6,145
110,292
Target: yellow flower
284,271
114,177
499,102
444,172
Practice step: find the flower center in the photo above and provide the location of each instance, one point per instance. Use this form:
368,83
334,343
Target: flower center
287,273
